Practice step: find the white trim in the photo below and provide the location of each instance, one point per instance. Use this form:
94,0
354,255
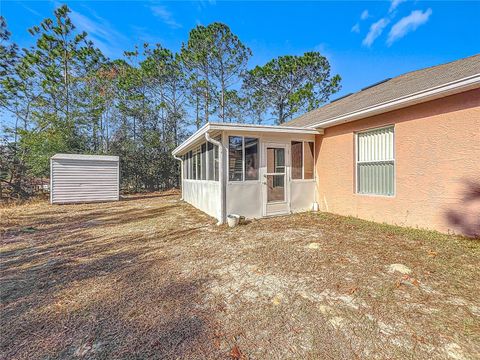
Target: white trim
185,146
451,88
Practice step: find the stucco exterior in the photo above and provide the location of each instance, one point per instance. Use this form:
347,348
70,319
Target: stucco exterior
437,152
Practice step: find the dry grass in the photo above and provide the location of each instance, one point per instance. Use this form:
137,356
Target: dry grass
152,277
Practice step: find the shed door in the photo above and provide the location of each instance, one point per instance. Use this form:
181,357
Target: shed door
275,180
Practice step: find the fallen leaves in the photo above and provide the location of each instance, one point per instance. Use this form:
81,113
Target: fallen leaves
236,354
353,290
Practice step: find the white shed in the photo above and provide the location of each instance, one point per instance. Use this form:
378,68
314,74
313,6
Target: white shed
84,178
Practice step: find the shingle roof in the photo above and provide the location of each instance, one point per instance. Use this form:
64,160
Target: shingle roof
403,85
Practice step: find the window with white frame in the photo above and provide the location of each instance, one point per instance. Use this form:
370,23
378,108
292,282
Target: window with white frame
242,158
375,162
302,160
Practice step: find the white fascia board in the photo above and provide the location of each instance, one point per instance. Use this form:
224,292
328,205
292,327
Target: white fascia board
263,128
200,133
454,87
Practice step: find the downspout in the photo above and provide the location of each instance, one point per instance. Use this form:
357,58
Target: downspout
221,178
181,174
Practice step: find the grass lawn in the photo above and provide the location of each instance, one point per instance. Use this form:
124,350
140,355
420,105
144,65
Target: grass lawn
152,277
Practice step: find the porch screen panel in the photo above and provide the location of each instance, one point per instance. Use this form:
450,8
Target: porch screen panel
297,159
235,158
190,166
185,166
376,162
211,162
199,164
204,162
215,150
251,158
308,157
194,165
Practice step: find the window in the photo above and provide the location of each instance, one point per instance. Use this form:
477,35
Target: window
303,160
242,158
376,162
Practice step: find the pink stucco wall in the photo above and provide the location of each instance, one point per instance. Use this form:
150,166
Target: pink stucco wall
437,152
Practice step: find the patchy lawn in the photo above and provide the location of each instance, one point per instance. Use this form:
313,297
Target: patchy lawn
152,277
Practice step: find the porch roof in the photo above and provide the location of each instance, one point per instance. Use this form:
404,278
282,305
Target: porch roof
216,127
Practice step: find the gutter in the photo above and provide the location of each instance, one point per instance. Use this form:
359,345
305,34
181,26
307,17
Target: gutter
451,88
221,217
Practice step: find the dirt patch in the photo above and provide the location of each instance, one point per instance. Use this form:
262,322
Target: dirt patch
152,277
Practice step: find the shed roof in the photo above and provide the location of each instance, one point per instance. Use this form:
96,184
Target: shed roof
85,157
396,93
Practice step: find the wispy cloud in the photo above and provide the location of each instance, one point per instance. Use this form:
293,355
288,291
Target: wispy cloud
375,31
30,10
394,4
356,28
99,30
365,15
408,24
165,15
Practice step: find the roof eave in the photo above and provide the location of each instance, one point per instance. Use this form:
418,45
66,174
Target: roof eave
454,87
200,133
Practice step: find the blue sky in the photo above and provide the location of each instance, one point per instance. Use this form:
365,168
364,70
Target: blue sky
364,41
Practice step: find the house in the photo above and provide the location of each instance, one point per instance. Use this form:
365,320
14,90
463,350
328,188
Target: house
403,151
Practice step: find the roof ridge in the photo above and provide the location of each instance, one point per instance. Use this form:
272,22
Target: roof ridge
434,66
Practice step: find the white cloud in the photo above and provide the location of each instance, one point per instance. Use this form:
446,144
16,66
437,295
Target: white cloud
103,35
408,24
375,31
356,28
394,4
364,15
165,15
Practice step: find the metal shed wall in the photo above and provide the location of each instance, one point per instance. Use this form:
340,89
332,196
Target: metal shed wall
83,178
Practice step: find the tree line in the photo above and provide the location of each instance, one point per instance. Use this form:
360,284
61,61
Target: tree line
63,95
